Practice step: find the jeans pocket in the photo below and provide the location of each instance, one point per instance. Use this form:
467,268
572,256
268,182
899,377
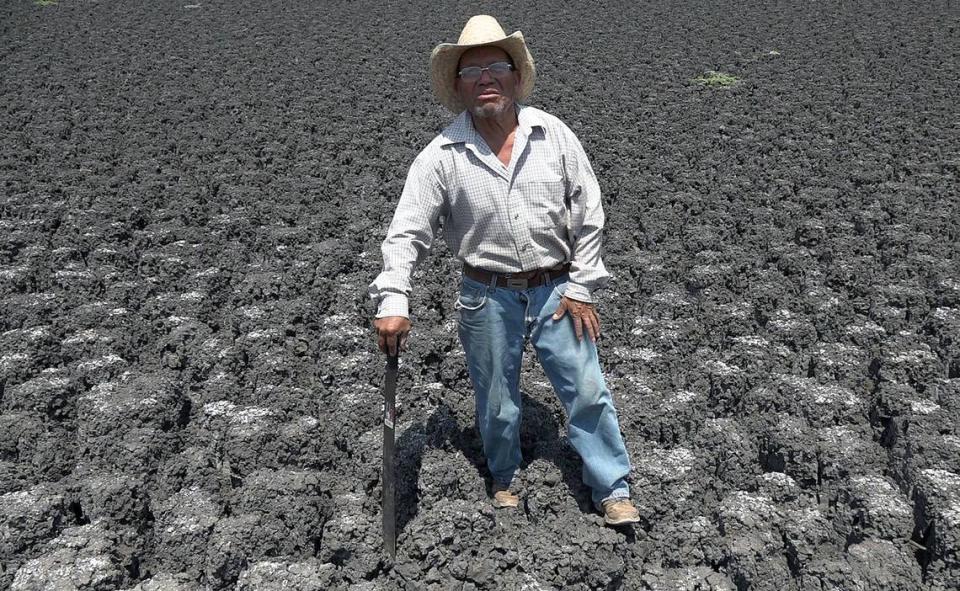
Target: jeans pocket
559,288
471,298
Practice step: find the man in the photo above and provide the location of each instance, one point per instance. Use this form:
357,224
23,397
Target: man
520,208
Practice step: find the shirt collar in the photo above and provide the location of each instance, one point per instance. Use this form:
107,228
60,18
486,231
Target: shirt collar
461,129
528,118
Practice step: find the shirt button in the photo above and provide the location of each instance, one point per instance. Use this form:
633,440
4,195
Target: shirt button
516,216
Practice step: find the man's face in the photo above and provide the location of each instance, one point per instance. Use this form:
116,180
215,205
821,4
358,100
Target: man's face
489,95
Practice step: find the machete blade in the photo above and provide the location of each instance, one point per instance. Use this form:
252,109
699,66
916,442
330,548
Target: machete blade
389,472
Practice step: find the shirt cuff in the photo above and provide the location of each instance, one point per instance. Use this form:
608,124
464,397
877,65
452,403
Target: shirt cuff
394,304
578,292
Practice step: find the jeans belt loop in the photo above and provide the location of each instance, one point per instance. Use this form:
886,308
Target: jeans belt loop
493,280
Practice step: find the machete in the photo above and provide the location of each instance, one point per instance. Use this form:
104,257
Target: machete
389,473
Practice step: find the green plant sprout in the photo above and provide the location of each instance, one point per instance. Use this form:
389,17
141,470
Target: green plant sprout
712,78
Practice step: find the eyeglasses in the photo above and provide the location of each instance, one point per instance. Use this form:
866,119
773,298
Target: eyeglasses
496,69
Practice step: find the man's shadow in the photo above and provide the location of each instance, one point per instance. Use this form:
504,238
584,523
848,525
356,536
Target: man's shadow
539,439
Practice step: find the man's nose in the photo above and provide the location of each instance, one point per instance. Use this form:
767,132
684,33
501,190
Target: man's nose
485,72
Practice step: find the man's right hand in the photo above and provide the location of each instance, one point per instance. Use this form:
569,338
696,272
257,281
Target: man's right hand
390,330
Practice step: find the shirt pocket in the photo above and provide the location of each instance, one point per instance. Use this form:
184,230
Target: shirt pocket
545,199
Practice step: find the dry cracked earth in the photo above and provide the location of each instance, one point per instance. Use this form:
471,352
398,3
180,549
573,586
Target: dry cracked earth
192,197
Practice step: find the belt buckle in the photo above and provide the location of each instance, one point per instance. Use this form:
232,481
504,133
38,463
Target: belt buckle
513,283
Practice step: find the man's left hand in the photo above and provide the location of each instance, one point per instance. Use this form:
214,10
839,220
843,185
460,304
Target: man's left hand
584,317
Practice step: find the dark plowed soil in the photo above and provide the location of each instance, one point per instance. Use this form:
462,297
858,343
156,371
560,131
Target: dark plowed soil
192,197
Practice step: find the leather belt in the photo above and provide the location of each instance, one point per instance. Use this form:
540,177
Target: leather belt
523,280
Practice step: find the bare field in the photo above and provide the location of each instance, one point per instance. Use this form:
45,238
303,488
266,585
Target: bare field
192,198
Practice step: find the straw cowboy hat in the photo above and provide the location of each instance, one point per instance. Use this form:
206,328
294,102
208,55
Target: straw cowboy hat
479,30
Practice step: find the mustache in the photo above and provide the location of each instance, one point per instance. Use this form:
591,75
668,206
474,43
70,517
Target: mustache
492,84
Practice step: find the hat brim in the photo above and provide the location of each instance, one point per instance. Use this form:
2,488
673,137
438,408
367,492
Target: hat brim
446,56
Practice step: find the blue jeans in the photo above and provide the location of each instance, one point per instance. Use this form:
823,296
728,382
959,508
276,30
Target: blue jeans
494,325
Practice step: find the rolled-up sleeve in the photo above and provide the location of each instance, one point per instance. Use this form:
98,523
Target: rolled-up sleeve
409,237
587,272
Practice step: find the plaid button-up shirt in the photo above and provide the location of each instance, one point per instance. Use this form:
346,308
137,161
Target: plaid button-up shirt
541,210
